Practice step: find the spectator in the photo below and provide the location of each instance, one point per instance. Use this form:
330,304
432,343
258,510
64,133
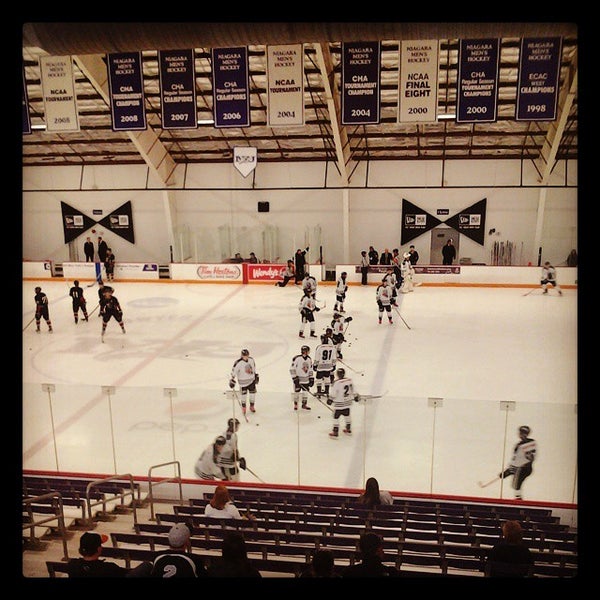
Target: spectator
414,255
364,267
322,565
299,264
448,253
234,560
371,564
288,274
88,250
102,250
221,506
385,258
178,560
253,258
91,565
509,557
373,496
572,258
373,256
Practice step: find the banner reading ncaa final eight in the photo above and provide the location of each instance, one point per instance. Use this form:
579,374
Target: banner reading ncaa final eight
361,63
231,94
126,90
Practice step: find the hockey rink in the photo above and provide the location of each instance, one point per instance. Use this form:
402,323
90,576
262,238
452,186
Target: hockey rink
458,374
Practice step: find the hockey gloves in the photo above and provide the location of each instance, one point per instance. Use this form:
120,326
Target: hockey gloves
256,378
329,401
311,381
232,383
296,381
242,463
347,319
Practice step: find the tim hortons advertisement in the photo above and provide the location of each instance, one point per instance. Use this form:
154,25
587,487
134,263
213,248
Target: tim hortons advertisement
220,272
265,272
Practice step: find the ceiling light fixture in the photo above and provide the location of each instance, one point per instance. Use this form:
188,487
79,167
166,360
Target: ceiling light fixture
38,126
206,121
446,117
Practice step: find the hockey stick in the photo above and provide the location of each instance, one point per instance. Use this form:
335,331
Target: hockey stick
396,309
240,403
30,322
529,292
483,485
95,309
324,303
353,370
253,473
371,396
319,399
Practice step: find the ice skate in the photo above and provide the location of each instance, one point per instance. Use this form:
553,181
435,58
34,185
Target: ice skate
295,406
244,410
348,430
252,409
305,406
312,334
333,434
301,335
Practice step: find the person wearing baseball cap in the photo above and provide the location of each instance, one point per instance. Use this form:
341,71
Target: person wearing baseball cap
91,565
178,561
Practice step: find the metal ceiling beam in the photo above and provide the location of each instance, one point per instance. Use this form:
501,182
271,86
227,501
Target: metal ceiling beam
147,142
340,136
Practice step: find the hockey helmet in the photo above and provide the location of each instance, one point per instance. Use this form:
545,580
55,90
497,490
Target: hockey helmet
406,255
329,332
336,316
76,282
38,290
305,349
344,274
220,441
341,373
231,423
324,338
525,429
245,352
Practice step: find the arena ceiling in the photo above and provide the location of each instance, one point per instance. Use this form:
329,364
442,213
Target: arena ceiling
322,137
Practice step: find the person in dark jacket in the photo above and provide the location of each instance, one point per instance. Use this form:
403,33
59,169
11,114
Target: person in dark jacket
371,565
373,256
386,257
448,253
88,250
509,557
234,560
102,250
300,263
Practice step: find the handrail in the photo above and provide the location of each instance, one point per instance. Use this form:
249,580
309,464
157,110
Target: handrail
59,515
177,478
122,495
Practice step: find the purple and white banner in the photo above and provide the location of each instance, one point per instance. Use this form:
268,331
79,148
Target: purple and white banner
58,91
231,93
417,92
25,99
360,83
177,89
126,89
539,69
285,85
477,91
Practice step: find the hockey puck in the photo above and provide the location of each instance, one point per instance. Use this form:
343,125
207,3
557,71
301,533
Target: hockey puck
318,416
257,424
362,374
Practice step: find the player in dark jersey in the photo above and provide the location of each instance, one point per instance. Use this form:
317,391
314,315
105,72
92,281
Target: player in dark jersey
41,310
111,308
79,302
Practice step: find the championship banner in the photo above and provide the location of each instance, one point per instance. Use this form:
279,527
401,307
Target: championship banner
471,221
26,117
285,85
126,90
244,159
119,221
417,90
58,92
361,101
231,93
539,70
477,91
177,89
415,222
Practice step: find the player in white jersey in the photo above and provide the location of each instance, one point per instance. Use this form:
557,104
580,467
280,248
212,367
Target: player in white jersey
408,272
302,374
207,466
549,278
340,293
385,300
307,307
338,327
244,370
309,284
324,365
521,464
229,457
341,396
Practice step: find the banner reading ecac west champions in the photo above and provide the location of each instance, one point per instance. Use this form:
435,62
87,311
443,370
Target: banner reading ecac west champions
285,85
539,69
417,92
177,89
58,92
231,94
126,90
360,83
477,86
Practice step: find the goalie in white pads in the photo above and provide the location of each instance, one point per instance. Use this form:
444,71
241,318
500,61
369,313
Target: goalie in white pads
342,395
408,272
302,374
324,365
244,370
521,464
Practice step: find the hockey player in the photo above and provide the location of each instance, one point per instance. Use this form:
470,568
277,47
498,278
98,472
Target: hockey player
41,310
340,293
244,370
301,371
342,395
229,457
407,274
111,308
521,464
397,268
207,466
307,308
309,284
549,278
385,299
338,326
324,364
101,298
79,302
